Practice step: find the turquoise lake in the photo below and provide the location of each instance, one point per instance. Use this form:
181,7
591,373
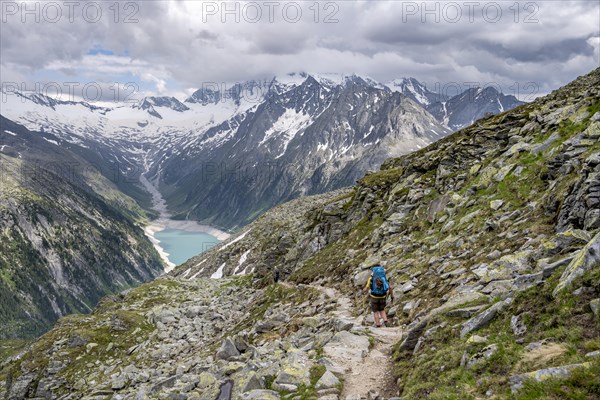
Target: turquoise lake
183,245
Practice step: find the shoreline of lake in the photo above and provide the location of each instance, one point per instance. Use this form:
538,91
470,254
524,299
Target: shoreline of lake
164,222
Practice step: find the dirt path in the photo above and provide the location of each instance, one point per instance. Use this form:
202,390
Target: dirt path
375,372
370,372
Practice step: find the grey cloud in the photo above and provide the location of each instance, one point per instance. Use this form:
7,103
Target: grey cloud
206,35
551,51
370,38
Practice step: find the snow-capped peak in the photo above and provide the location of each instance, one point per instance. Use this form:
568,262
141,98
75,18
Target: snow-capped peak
414,89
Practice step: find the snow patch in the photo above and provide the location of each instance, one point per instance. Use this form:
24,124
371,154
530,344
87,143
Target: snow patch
241,262
194,276
237,239
218,274
500,105
286,127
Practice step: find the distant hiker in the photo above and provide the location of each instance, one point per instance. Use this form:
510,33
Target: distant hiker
379,287
276,276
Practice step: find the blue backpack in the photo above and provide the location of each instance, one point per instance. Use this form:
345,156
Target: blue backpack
379,282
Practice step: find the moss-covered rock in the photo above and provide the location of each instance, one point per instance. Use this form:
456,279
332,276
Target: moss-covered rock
586,259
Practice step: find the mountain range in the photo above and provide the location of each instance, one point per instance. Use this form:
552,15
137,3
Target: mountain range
221,157
226,154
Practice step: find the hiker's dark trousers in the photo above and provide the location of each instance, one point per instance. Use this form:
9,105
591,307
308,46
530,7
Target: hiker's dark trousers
377,304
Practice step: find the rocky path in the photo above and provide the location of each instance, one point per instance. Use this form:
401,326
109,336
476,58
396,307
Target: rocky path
367,367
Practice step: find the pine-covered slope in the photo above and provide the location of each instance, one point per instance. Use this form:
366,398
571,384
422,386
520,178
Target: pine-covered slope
491,237
68,235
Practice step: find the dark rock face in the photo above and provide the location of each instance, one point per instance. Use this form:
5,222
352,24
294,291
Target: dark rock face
464,109
149,103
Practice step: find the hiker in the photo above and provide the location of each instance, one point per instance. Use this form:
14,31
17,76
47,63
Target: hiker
276,276
379,288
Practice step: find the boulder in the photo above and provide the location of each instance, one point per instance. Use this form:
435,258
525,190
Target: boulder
327,381
346,346
516,381
410,306
483,355
250,381
484,318
466,312
586,259
77,341
294,371
496,204
517,325
593,354
503,173
438,204
241,342
414,332
542,147
369,261
476,339
311,322
407,287
341,324
361,278
227,351
266,326
469,217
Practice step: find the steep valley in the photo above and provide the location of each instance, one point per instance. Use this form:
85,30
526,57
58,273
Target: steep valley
491,237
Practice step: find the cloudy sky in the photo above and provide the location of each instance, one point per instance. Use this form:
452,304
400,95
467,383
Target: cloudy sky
174,47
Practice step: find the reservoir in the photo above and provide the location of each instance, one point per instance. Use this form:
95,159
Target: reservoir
179,245
177,240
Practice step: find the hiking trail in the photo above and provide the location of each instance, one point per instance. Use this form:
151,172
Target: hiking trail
365,368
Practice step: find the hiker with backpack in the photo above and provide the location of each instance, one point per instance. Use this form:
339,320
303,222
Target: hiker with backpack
379,288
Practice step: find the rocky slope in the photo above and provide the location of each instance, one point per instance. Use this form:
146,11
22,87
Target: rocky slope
68,236
491,237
